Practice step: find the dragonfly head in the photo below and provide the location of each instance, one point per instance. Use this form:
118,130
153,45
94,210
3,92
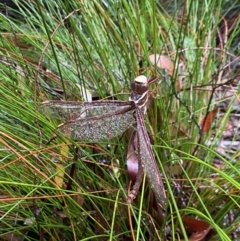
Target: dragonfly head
139,94
139,85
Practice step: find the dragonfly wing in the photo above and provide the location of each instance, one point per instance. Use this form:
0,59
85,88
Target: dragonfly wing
91,121
148,161
98,128
71,110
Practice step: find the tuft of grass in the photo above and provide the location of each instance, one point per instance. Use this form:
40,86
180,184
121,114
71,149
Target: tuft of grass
77,191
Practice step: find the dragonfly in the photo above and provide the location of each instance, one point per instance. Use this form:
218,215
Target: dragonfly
100,120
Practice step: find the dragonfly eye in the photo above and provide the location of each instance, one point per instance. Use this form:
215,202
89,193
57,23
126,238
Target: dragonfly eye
141,79
139,85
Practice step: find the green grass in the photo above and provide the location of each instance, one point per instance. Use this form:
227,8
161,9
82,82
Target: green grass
100,48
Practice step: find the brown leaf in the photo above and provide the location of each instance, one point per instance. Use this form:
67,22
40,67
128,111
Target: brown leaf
79,199
208,120
162,61
195,225
198,228
135,169
132,158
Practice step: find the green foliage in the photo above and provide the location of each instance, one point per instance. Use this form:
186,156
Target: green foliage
61,50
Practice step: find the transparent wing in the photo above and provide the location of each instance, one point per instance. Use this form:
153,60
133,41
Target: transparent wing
91,121
71,110
148,161
98,128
